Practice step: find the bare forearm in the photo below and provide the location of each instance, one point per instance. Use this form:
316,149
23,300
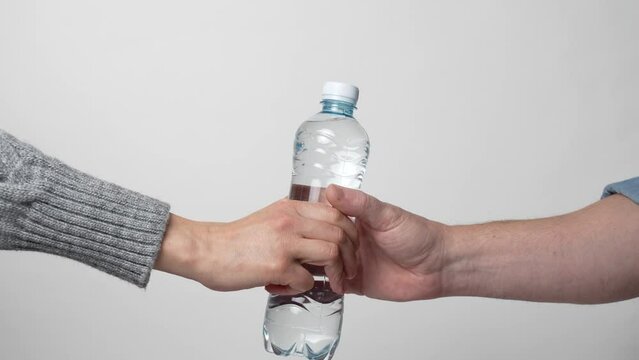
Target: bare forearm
179,246
589,256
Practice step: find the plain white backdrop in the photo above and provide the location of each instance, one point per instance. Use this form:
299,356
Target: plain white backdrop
476,110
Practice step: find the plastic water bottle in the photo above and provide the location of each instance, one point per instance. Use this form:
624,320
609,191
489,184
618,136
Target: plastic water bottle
330,148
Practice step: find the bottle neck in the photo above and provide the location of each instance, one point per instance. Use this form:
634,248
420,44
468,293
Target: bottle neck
338,107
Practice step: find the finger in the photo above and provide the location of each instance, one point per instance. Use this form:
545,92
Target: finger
322,253
314,229
298,280
364,207
336,282
353,286
336,278
326,213
280,289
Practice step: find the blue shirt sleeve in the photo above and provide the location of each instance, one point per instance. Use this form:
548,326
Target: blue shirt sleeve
628,188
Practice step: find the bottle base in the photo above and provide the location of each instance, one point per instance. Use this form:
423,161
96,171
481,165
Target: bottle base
302,349
306,325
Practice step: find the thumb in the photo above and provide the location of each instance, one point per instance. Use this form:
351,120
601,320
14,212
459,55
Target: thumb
356,203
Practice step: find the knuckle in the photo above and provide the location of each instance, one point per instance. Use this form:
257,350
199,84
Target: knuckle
340,235
284,204
284,222
332,252
277,266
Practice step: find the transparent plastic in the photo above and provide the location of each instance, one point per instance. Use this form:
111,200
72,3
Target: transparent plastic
330,148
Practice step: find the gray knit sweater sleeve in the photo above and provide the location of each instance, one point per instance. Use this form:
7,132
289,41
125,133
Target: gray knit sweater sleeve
47,206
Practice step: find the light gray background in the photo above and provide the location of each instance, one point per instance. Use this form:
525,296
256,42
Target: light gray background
477,110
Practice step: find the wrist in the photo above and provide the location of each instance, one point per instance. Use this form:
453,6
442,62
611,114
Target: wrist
178,253
437,263
457,265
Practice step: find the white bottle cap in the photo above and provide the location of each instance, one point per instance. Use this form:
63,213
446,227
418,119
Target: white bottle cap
334,90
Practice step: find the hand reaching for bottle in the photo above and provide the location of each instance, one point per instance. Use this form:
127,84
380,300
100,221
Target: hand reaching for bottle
266,248
400,253
563,258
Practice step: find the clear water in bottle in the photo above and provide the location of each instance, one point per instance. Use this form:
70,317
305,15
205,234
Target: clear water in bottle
330,148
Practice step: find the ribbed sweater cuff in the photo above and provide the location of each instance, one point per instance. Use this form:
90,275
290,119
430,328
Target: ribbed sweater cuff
78,216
